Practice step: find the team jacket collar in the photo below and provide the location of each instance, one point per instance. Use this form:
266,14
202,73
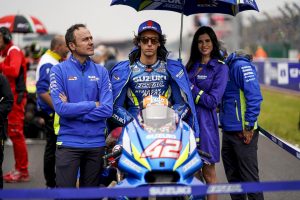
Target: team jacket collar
232,57
155,65
83,66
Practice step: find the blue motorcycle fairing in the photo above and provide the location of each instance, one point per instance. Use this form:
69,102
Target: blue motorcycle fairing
138,161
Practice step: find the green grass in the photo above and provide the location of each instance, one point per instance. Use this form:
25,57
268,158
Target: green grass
280,115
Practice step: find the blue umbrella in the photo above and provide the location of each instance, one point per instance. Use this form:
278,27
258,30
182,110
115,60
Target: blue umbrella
189,7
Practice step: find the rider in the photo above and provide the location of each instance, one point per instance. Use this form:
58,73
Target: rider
149,72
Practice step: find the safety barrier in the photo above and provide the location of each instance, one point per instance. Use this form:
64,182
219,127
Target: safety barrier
168,190
284,145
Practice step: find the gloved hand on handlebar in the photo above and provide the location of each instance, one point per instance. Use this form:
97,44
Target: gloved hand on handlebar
121,116
117,147
182,110
113,137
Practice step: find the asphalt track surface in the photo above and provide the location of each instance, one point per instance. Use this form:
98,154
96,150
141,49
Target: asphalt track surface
275,164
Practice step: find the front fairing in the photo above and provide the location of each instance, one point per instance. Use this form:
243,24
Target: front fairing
173,152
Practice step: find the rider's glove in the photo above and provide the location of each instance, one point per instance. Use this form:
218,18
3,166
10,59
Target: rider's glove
121,116
117,148
182,110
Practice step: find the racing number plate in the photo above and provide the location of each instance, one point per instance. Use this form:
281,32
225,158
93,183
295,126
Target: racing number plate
163,148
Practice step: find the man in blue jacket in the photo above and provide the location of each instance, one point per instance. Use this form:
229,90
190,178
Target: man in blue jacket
238,116
81,93
149,72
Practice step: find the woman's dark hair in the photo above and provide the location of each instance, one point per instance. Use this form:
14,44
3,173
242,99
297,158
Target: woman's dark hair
162,52
69,37
195,54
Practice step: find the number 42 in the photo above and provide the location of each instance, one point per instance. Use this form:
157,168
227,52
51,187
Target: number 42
163,148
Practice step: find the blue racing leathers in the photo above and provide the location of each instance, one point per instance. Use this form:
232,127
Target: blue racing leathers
242,98
131,83
82,124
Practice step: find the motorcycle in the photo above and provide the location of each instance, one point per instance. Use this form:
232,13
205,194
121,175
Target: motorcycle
158,148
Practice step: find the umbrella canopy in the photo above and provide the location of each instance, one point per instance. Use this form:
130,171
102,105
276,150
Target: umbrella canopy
23,24
189,7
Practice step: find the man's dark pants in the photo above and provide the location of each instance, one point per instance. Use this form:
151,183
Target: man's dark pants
240,162
49,154
68,162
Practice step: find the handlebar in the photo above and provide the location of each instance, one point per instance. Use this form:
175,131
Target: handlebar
117,152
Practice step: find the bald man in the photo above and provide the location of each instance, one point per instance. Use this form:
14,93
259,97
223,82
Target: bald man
58,51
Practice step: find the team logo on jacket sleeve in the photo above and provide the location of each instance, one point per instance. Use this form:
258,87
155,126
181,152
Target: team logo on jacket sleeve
248,73
110,86
53,84
116,77
180,74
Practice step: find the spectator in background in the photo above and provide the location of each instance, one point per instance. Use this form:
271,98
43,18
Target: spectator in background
81,94
208,75
238,116
111,61
28,58
260,53
101,54
13,66
58,52
105,56
202,19
6,103
33,53
33,123
37,51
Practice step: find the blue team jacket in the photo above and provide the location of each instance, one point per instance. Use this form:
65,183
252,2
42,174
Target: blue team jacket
82,124
242,98
120,74
48,60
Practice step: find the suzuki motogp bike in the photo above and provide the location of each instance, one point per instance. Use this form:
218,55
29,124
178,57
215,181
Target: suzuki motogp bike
157,149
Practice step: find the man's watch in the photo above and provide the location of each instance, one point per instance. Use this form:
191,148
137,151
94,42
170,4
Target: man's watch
248,128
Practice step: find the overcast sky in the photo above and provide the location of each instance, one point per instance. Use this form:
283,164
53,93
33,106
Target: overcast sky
110,22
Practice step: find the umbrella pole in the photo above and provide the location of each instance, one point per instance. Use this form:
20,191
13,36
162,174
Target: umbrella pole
180,38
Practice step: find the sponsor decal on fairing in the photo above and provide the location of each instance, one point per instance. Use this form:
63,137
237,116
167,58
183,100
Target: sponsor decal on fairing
190,164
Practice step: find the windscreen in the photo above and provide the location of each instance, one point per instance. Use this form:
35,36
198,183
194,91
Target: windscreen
159,119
